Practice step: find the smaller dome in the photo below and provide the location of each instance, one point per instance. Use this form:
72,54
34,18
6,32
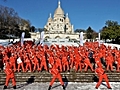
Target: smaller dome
50,18
67,18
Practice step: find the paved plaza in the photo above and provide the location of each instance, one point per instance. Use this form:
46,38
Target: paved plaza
69,86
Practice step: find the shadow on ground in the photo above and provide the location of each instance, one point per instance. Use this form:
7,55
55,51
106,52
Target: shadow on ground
65,80
29,81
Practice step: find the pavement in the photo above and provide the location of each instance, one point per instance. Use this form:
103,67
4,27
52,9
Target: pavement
57,86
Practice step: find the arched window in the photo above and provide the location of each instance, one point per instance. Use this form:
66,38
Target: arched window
57,37
57,25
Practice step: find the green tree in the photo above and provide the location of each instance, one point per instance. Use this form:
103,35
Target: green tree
32,28
40,29
111,23
111,31
90,33
10,22
79,30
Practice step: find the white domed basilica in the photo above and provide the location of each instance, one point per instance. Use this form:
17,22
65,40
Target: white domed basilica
59,23
59,26
58,29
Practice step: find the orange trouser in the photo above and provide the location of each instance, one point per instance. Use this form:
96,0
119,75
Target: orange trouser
109,65
118,67
43,64
57,76
71,63
21,65
28,65
99,64
8,77
86,67
36,65
14,66
104,76
78,65
59,66
65,65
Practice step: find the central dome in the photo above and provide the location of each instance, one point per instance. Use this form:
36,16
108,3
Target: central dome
59,11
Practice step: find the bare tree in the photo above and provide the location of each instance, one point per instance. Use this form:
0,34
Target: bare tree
10,21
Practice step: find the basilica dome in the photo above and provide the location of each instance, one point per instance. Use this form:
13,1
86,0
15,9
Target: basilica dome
59,23
59,11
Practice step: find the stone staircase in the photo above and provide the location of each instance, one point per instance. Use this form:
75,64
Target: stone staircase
70,76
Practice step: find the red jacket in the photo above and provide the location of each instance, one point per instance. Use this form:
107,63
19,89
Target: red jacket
99,71
54,71
8,70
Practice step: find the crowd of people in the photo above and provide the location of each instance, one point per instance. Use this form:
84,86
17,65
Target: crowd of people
59,58
31,57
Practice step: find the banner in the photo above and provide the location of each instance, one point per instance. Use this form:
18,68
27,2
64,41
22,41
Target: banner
81,39
22,38
42,37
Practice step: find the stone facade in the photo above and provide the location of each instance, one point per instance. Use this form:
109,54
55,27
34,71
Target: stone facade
59,26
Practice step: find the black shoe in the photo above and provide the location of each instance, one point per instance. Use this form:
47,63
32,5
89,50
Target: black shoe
63,87
109,88
14,87
49,87
96,87
5,87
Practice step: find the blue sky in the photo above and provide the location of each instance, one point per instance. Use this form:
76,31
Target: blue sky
82,13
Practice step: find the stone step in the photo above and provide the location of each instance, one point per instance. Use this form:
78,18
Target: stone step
46,77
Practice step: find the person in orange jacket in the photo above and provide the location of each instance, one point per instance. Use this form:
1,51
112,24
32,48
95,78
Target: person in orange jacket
58,63
71,56
20,64
51,59
65,63
87,63
43,63
55,72
36,63
109,61
102,75
78,64
97,60
28,64
5,58
9,75
12,62
117,61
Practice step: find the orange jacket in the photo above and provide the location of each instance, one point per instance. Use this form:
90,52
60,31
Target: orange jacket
5,58
87,61
27,60
51,60
8,70
64,60
99,71
58,61
109,59
35,59
12,59
118,60
54,71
